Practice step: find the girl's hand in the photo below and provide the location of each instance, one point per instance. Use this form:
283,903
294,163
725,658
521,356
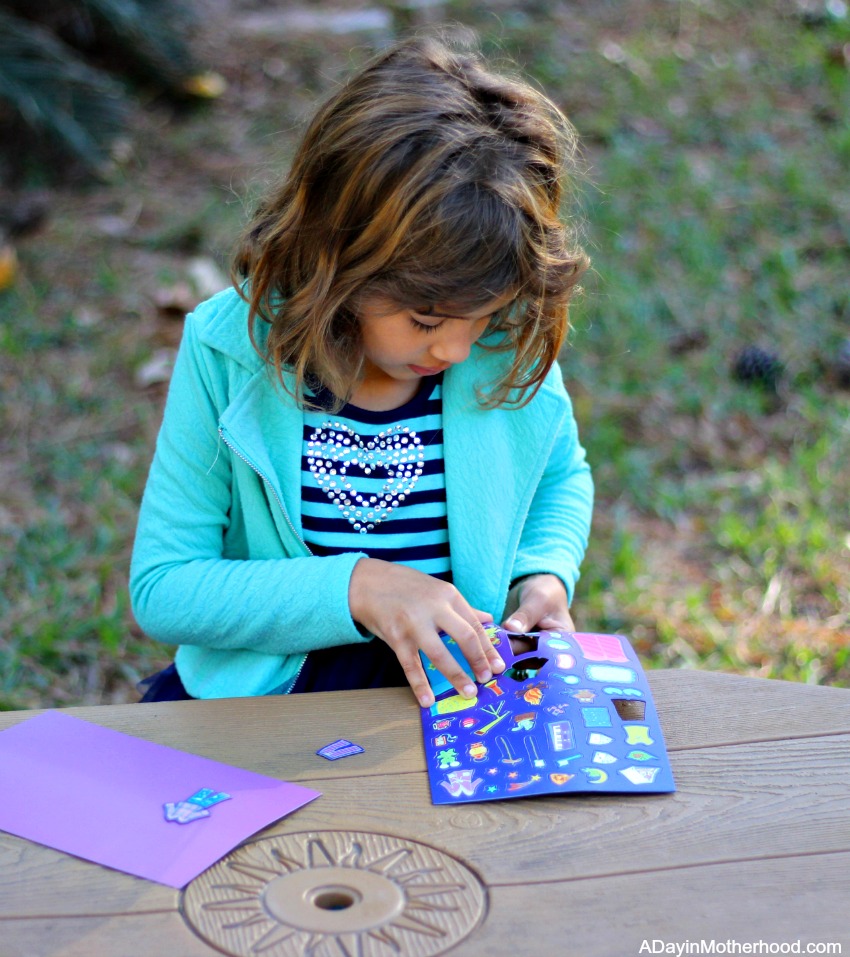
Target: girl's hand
540,604
407,608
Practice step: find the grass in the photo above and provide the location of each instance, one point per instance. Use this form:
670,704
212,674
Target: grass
716,205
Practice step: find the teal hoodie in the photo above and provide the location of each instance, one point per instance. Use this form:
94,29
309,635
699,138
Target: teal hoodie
220,566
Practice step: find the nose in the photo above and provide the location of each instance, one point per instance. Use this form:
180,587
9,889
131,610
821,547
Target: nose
454,345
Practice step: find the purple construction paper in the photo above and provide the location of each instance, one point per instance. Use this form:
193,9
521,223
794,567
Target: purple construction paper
101,795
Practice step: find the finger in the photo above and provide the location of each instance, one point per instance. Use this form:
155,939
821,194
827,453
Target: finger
452,671
494,659
475,645
419,684
525,617
562,622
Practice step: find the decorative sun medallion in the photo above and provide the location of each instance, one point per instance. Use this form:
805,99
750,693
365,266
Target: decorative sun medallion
334,894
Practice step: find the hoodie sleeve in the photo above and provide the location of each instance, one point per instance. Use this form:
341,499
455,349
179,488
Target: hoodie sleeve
184,586
557,528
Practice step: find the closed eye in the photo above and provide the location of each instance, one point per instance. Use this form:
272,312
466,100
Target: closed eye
425,326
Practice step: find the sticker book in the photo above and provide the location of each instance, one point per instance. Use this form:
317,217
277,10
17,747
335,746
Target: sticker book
574,713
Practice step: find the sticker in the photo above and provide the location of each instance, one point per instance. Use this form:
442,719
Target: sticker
565,662
194,807
497,713
640,775
509,756
534,752
635,692
339,749
596,737
468,722
478,751
524,722
595,775
442,724
603,757
519,785
447,759
560,735
556,710
456,702
493,686
608,673
628,709
585,696
641,756
638,734
562,762
561,779
441,740
601,647
596,717
533,694
569,679
559,644
461,783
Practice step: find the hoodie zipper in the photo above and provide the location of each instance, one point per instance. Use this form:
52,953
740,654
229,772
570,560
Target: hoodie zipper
282,508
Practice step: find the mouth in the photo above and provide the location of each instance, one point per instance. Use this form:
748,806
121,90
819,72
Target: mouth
426,370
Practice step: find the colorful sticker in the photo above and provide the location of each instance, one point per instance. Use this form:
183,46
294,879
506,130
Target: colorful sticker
638,775
609,673
596,717
638,734
595,775
560,735
194,807
461,783
601,647
339,749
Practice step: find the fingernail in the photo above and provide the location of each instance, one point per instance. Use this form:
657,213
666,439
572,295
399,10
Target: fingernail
469,691
513,624
426,701
498,665
484,676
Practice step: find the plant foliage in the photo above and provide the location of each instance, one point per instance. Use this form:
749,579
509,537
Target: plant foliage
62,65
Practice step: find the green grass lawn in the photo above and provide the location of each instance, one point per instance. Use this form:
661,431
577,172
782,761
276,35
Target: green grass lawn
717,210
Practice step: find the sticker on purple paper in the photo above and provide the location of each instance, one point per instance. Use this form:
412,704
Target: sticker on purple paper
118,792
195,807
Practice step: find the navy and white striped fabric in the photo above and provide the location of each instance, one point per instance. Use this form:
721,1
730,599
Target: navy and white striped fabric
373,481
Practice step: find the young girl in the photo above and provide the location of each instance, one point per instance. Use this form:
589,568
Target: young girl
368,440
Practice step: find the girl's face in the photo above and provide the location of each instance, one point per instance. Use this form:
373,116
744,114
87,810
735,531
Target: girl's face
403,345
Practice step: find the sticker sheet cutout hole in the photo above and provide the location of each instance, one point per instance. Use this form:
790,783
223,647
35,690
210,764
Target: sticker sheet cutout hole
526,668
628,709
523,644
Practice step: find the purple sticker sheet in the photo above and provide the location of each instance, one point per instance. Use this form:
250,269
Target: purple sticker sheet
130,804
575,713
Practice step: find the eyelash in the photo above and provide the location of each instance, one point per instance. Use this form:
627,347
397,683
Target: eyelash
424,327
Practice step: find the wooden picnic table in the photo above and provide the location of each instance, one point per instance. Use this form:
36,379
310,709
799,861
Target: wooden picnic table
754,845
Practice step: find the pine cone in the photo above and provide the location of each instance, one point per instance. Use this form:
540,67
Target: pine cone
758,367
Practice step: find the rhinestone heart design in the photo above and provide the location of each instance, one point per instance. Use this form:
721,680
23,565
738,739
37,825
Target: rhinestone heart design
396,454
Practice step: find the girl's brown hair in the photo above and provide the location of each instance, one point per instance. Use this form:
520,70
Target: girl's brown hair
429,181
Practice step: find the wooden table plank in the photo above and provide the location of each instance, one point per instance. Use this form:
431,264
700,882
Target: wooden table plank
734,803
777,901
280,735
